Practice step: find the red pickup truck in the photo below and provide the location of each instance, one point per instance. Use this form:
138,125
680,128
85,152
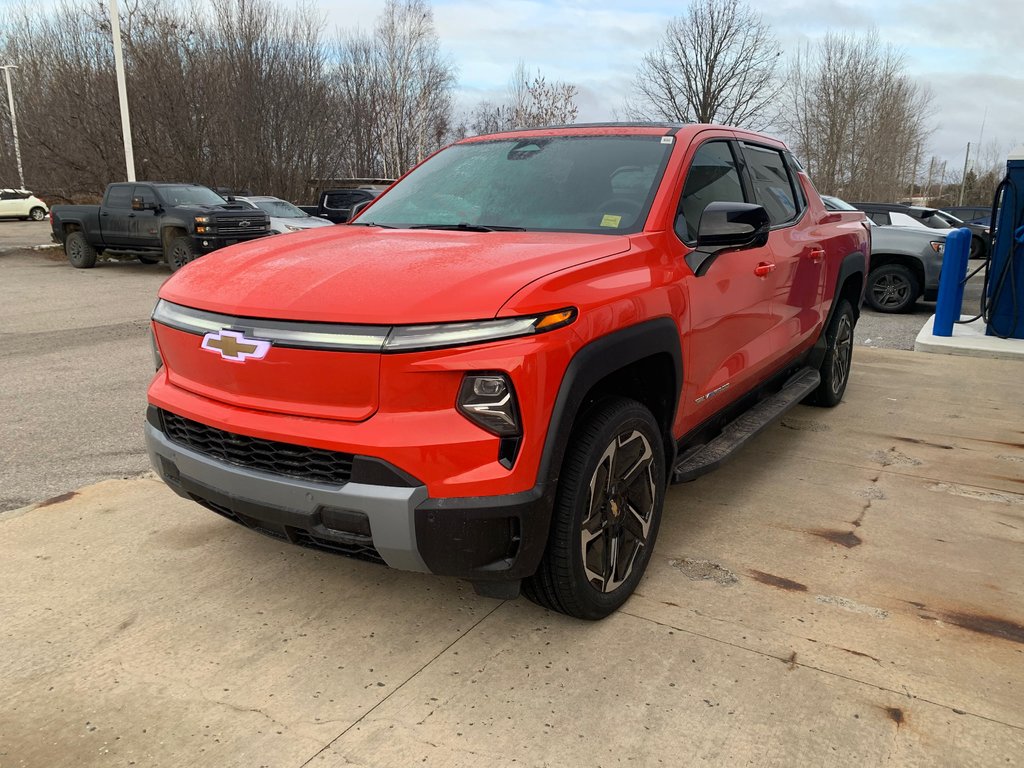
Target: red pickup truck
496,371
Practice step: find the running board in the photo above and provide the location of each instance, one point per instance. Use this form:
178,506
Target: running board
704,458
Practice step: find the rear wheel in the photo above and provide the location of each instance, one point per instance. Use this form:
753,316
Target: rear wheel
79,252
835,368
37,214
179,252
607,511
892,288
978,249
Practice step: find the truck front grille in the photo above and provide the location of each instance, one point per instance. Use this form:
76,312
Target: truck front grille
315,465
239,226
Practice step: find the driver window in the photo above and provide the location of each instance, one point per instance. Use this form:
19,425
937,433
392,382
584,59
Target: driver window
713,177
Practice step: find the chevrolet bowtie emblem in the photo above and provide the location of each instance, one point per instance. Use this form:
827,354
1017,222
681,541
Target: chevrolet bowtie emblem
235,346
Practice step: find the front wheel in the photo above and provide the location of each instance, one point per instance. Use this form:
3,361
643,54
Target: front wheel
37,214
892,288
607,511
180,252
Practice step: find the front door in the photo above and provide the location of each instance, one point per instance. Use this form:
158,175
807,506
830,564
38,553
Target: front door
143,224
730,305
116,215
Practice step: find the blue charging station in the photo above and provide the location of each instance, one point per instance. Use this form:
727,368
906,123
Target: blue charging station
1005,285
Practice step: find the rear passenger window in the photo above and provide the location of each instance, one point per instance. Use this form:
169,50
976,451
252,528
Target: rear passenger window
119,197
712,178
773,186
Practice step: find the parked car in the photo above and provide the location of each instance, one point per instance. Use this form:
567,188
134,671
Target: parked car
906,260
981,238
284,217
21,204
176,222
483,374
336,205
982,213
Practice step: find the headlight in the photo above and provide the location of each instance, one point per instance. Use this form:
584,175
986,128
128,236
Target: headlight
158,361
488,400
411,337
939,246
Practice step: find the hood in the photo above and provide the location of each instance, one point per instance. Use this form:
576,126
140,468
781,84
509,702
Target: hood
379,276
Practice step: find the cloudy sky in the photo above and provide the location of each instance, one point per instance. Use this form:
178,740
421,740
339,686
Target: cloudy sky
969,53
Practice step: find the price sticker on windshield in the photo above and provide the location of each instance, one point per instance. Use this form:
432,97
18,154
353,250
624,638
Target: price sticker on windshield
610,221
667,139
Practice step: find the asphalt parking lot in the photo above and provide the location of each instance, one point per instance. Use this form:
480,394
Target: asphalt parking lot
846,591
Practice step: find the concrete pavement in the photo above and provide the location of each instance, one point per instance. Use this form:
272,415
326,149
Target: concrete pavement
849,590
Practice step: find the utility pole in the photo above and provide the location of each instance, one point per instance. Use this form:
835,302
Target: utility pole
14,121
963,178
122,92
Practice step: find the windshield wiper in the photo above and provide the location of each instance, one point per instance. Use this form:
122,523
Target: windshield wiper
370,224
466,227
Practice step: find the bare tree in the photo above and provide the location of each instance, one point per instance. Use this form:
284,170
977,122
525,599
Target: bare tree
859,122
529,104
715,64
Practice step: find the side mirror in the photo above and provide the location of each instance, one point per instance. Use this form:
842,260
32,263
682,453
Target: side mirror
358,208
733,225
727,227
137,204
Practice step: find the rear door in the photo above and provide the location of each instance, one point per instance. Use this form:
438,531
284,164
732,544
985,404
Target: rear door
797,253
115,221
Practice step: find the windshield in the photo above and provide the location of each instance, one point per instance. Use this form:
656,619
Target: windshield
188,194
281,209
602,184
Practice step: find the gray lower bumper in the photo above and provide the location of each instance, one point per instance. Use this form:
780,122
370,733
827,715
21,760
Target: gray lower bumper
293,502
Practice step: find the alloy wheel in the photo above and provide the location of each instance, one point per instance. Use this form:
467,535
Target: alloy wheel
842,354
891,291
621,505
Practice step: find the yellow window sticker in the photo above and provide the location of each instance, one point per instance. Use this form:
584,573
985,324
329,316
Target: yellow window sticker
610,221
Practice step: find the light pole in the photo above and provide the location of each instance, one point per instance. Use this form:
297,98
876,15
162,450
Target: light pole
122,92
14,121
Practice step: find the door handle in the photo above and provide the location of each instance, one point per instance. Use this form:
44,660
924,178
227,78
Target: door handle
131,215
817,255
104,214
762,269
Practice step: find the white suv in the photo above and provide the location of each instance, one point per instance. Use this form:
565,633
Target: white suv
21,204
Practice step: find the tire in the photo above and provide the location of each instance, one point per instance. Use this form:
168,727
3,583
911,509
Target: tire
79,252
37,214
616,440
892,288
835,368
148,259
978,249
180,252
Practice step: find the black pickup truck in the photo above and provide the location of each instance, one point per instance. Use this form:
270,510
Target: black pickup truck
175,222
338,205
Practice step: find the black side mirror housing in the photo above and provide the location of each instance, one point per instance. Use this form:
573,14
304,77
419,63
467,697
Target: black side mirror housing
728,226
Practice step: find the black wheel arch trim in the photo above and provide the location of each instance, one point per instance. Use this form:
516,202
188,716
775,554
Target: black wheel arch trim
852,264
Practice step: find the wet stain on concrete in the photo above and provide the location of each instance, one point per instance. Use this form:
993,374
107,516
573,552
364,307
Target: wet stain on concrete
847,539
777,581
57,499
983,625
896,715
892,456
917,441
791,661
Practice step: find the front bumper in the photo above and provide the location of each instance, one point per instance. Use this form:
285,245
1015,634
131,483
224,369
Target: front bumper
208,243
498,538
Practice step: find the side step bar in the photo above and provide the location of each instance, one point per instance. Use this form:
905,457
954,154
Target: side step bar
703,458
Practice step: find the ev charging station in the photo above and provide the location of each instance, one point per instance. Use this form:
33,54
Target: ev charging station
998,330
1005,286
